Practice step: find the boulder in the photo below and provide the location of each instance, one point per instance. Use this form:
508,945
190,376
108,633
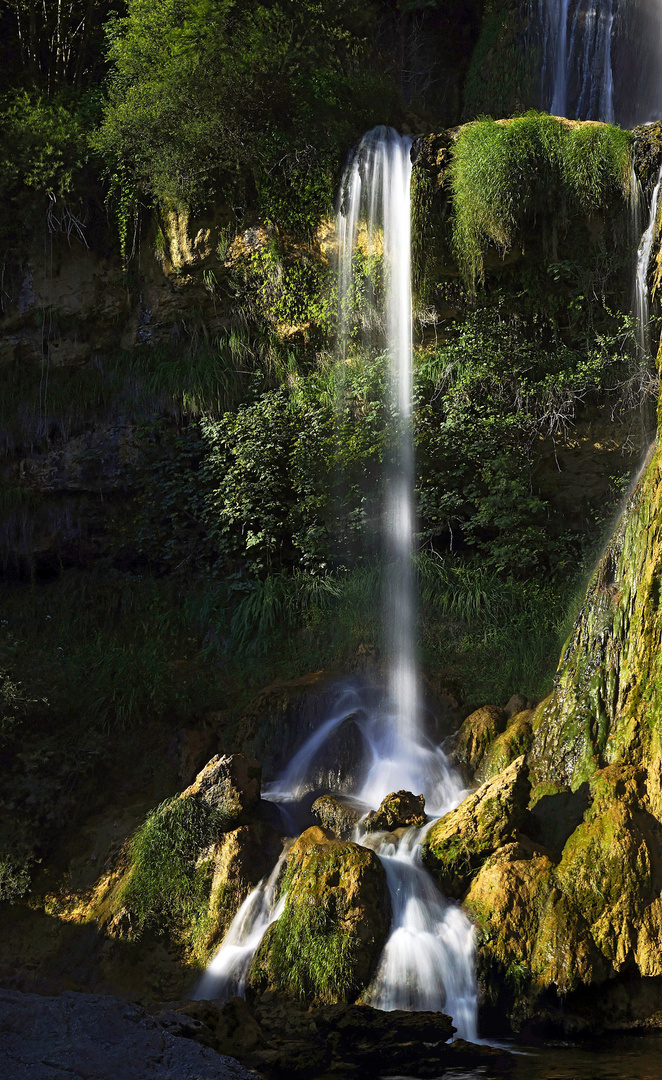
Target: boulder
229,784
476,735
511,744
325,946
460,842
92,1035
336,816
516,704
399,810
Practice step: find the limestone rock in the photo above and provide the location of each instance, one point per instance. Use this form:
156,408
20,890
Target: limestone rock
85,1035
240,860
230,784
516,704
337,816
511,744
477,733
326,944
399,810
459,843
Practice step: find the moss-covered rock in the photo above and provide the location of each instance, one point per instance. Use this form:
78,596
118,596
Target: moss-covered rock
510,744
476,735
399,810
458,844
339,817
608,689
326,944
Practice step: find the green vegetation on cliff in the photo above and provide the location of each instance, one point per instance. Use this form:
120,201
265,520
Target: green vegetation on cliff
506,174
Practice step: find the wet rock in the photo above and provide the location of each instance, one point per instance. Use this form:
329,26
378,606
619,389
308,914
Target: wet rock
476,735
326,944
79,1036
511,744
459,843
230,784
240,860
398,810
336,816
227,1028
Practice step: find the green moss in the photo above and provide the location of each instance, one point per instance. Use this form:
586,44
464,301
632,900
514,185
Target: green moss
325,945
169,879
504,174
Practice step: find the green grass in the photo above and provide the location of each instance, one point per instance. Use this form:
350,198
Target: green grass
168,881
504,175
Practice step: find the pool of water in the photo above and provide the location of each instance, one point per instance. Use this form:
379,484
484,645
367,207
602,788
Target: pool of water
612,1058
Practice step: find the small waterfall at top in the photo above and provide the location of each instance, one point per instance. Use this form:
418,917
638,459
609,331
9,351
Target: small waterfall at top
427,962
577,71
599,59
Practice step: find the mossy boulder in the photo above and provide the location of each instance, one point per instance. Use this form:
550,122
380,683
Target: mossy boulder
325,946
338,817
593,915
399,810
458,844
477,734
510,744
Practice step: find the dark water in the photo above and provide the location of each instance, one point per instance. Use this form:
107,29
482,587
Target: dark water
622,1058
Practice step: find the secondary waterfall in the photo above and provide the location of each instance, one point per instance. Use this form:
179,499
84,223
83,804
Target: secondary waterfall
427,962
600,59
642,294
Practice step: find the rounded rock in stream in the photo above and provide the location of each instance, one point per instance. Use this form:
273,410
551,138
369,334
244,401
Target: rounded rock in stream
399,810
325,946
336,816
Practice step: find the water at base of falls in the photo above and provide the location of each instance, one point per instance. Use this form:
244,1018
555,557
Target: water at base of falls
427,962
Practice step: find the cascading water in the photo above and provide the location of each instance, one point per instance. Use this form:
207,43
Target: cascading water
642,295
427,962
600,60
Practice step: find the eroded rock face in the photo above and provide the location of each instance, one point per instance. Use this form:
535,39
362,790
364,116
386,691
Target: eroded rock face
327,942
459,843
399,810
336,816
230,784
510,744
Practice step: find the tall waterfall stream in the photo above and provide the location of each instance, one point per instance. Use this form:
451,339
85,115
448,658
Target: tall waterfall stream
427,961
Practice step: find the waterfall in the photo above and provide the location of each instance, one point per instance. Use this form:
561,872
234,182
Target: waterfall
577,77
599,60
642,295
376,191
427,962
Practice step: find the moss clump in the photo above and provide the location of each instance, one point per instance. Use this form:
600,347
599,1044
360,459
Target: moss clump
326,944
169,878
504,174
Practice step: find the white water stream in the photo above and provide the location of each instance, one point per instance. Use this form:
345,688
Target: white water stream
427,962
642,292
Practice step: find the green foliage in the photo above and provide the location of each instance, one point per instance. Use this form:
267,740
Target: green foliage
504,174
44,154
168,880
235,97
